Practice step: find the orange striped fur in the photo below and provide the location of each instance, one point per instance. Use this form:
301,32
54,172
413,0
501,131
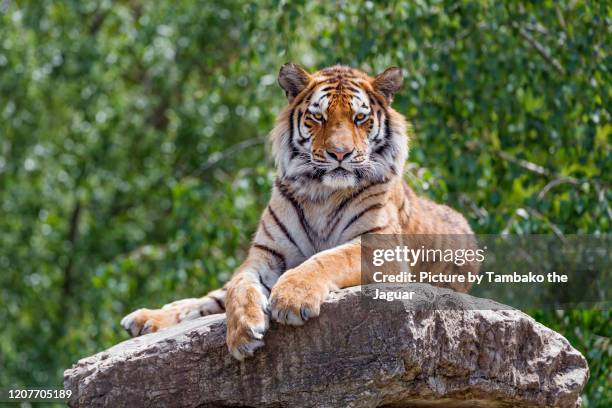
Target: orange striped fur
340,151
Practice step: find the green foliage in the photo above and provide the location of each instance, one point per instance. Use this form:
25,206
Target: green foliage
132,159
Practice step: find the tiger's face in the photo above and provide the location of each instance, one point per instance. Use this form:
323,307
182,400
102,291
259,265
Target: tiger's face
339,130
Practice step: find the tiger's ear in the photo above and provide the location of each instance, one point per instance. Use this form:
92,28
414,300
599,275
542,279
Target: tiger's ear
389,82
293,79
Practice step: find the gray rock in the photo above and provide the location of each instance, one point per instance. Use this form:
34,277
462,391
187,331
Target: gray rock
353,355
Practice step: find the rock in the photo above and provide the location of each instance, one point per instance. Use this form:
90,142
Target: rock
353,355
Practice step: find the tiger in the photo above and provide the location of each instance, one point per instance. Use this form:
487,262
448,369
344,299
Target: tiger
339,150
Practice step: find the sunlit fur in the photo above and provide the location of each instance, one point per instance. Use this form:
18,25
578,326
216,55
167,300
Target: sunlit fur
308,239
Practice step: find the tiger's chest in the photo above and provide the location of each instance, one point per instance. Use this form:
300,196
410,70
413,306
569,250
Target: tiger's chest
332,224
324,222
312,226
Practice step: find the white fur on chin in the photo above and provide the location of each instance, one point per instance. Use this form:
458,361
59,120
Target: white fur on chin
339,181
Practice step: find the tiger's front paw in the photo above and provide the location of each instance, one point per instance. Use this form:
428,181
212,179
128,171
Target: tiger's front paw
247,322
296,298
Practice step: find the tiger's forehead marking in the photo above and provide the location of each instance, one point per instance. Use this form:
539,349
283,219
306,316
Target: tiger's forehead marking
319,101
326,95
359,102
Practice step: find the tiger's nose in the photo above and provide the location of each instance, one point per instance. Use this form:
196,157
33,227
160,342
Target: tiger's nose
340,153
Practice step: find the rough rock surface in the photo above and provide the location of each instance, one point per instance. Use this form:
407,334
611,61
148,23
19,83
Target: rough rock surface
353,355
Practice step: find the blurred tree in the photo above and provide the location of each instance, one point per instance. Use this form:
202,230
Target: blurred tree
132,159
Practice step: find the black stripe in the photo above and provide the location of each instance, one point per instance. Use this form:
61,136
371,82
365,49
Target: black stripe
334,217
387,143
375,138
330,79
266,232
298,209
359,174
302,139
380,149
279,257
294,150
305,93
372,195
375,96
360,100
387,127
263,283
284,229
370,231
372,101
373,207
218,302
313,175
346,201
349,199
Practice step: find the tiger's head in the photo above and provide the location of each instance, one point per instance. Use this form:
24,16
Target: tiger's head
339,130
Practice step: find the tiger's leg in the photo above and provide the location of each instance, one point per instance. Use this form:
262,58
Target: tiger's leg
299,292
143,321
247,299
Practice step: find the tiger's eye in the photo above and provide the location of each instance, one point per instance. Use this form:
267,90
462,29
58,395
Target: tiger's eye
360,117
317,116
